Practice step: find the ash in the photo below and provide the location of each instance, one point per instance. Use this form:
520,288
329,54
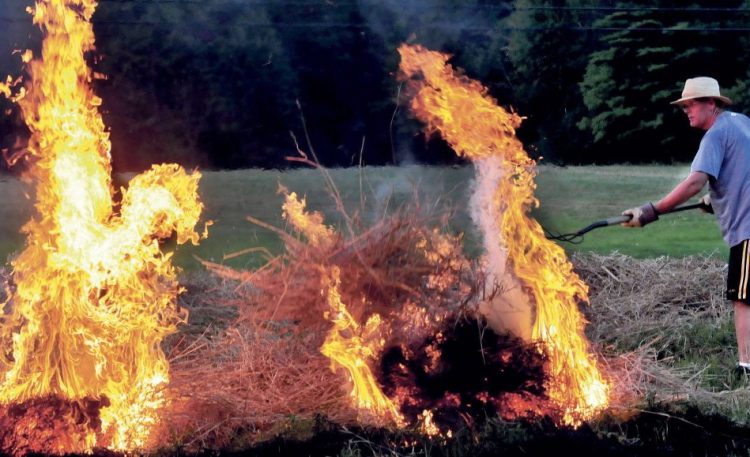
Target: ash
464,373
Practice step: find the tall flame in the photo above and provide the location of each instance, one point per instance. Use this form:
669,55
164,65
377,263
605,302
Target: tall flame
94,294
471,122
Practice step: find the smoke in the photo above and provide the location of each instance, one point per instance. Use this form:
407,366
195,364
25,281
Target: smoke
398,184
508,307
435,23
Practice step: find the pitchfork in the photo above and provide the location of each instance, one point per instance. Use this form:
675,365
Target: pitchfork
577,237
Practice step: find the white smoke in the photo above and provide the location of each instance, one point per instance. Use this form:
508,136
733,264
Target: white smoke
507,307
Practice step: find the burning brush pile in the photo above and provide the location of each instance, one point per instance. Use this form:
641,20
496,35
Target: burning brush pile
390,324
380,328
387,325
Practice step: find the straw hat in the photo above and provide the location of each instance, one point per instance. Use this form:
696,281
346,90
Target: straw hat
701,87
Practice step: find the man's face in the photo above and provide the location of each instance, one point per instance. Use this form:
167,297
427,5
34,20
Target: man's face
700,113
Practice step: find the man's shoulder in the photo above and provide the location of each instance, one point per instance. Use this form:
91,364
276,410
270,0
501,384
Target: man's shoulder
733,118
729,123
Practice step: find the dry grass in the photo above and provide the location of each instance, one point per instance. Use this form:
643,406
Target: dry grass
635,301
250,363
665,330
239,380
246,383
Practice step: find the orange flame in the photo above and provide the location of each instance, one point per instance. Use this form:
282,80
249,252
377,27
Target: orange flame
310,224
471,122
348,344
95,296
352,347
428,427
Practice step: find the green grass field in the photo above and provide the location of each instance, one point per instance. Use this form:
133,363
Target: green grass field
570,198
573,197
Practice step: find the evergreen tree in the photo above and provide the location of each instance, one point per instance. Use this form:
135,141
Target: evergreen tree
198,83
548,47
641,66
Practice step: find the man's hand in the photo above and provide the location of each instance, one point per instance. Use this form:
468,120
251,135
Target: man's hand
640,216
705,203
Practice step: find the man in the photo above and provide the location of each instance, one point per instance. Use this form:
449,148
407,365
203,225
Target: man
722,161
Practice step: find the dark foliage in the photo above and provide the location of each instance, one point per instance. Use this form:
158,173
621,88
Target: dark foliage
222,83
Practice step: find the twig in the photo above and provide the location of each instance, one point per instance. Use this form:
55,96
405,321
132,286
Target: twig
247,251
604,267
282,234
390,125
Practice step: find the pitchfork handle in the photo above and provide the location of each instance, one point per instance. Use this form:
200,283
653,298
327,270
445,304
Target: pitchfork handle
620,219
617,220
604,223
687,207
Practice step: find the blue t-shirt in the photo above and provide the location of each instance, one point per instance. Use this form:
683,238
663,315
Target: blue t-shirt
724,154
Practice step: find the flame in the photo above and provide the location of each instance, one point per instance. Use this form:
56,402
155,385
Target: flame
348,344
352,347
94,294
442,246
309,223
428,427
471,122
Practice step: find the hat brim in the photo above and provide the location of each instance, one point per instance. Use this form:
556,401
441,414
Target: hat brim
724,99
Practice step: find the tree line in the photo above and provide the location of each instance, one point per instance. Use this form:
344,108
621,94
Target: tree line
224,84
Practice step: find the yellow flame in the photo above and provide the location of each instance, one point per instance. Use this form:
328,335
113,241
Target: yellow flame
352,347
348,344
309,223
471,122
94,294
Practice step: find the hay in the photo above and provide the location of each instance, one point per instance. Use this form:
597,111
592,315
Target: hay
387,264
231,380
246,382
646,315
265,367
634,302
246,377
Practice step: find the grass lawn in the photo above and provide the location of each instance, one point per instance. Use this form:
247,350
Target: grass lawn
570,198
573,197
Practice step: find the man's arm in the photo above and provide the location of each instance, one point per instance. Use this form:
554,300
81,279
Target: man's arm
649,212
682,191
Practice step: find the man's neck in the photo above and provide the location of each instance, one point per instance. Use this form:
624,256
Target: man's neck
712,119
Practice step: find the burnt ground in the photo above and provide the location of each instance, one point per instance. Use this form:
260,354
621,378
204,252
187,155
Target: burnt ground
667,430
660,432
657,433
464,373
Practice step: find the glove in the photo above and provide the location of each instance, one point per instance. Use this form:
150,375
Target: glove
641,215
705,203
